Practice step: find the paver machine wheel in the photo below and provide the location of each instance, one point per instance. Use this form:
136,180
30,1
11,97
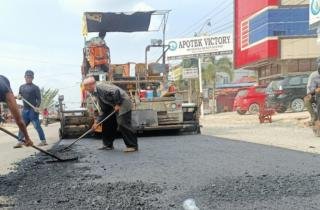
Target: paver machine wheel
73,123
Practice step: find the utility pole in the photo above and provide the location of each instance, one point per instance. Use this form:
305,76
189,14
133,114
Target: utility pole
200,85
207,23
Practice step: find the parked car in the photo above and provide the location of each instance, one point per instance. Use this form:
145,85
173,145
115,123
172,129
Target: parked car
249,99
287,92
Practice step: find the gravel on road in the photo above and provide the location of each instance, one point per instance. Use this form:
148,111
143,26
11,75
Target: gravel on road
216,173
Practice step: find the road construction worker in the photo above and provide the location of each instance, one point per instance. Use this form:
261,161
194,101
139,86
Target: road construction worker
309,98
7,96
30,94
112,98
172,88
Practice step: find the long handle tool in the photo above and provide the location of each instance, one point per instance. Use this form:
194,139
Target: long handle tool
33,107
39,149
87,132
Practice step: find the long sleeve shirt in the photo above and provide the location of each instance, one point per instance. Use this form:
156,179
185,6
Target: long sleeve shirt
315,83
310,79
110,95
4,88
31,93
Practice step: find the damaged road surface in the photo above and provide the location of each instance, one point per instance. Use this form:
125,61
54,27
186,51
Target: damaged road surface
216,173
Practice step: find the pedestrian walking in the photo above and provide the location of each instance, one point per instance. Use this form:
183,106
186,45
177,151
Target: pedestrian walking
45,114
31,93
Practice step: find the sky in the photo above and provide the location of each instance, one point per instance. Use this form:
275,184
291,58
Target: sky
45,36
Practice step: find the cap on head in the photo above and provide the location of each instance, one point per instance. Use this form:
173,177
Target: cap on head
29,73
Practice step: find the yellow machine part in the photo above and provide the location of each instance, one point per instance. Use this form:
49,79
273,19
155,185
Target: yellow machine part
99,129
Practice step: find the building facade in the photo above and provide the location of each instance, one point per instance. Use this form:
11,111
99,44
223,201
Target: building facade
273,37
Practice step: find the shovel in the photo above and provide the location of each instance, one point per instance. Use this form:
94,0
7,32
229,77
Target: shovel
39,149
33,107
87,132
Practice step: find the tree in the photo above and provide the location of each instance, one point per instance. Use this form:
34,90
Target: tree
209,75
222,65
47,97
189,62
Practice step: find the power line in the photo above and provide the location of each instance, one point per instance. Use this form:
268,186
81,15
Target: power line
196,24
217,13
228,24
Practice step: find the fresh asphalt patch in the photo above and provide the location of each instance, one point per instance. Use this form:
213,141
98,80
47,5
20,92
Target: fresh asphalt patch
167,170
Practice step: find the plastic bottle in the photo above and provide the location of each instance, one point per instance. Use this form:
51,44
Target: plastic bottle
190,204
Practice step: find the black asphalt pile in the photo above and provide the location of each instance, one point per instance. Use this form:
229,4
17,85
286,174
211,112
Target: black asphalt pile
39,185
241,191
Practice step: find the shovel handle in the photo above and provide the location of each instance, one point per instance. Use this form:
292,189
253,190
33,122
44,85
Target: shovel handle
89,131
35,147
33,107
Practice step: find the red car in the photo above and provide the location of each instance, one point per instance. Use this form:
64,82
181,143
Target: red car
249,99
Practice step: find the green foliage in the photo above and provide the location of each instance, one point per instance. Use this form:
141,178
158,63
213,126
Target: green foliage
225,65
189,63
214,66
47,97
208,74
209,71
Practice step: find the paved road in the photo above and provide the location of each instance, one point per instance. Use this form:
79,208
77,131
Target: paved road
217,173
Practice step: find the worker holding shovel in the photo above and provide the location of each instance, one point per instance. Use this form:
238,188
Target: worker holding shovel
30,94
7,96
112,98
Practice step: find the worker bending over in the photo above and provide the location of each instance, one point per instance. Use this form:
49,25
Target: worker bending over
112,98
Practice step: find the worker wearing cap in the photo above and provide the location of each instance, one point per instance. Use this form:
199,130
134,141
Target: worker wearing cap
112,98
7,96
30,93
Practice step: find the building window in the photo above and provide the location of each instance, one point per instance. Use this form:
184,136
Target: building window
274,69
268,70
279,33
304,65
293,66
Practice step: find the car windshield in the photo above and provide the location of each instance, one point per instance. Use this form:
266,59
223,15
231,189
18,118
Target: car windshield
275,85
242,93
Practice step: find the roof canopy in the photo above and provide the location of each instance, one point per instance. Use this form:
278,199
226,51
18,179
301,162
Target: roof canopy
116,22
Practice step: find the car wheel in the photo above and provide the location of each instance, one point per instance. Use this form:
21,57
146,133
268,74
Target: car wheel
254,108
281,109
297,105
241,112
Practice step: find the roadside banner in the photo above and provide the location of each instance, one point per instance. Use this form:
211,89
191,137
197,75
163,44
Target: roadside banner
190,73
196,47
314,13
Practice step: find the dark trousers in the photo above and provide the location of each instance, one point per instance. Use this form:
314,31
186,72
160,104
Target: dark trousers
123,123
